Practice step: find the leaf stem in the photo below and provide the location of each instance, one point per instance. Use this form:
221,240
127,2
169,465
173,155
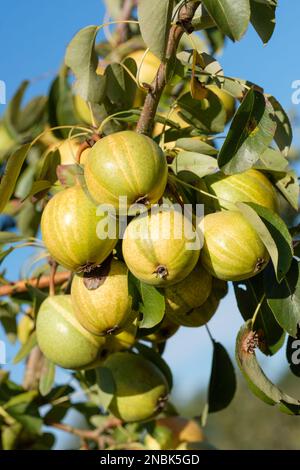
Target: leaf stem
258,307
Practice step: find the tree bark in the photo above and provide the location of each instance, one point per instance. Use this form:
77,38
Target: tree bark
184,24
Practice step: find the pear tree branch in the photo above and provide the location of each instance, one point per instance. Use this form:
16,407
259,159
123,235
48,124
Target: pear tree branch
155,90
41,282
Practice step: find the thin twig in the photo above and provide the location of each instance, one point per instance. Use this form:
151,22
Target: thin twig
53,268
155,90
123,29
41,282
95,435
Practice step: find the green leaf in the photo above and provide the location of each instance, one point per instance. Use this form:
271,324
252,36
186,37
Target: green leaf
37,296
284,132
152,307
121,88
287,183
61,104
47,377
11,173
284,298
47,166
39,187
155,20
5,253
13,110
257,381
232,18
21,399
28,416
9,325
26,348
263,18
196,145
28,219
248,295
273,232
10,435
81,57
222,383
106,386
153,356
198,163
251,132
32,117
57,413
10,237
273,161
207,115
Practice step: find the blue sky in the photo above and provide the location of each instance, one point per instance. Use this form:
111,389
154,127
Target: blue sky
33,38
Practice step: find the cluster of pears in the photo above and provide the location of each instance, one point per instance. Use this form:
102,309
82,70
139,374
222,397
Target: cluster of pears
96,324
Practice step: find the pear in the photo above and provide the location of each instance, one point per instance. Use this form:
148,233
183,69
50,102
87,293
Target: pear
62,339
141,388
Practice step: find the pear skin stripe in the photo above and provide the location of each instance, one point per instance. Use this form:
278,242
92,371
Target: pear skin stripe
74,322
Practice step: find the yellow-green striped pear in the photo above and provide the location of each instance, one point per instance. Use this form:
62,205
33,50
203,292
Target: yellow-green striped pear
141,388
232,249
61,337
198,316
250,186
126,164
161,247
69,230
188,294
108,308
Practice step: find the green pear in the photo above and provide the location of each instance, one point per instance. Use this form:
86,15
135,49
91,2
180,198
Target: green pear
61,337
188,294
108,307
141,388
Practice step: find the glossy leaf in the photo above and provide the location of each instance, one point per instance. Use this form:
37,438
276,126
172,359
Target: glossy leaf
61,104
106,386
82,59
47,377
284,133
26,348
222,385
208,115
121,88
273,161
155,20
263,18
251,132
198,163
287,183
152,307
13,109
196,145
248,295
11,174
284,298
257,381
232,18
274,234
